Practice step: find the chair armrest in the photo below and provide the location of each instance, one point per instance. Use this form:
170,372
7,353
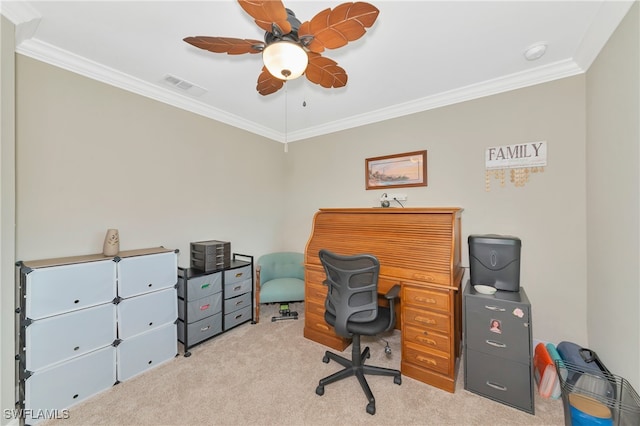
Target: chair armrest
393,293
391,296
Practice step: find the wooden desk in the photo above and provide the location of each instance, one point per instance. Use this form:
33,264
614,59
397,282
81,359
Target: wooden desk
418,248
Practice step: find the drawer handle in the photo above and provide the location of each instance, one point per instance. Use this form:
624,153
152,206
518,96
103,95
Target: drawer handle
239,316
205,307
205,328
426,300
427,360
237,288
76,301
497,386
76,348
495,308
150,285
496,344
426,320
427,340
205,285
240,302
239,274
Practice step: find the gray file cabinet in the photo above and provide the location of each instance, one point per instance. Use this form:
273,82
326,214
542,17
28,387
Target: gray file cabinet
210,303
84,323
498,347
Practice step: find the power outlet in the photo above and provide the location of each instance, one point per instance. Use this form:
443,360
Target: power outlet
393,196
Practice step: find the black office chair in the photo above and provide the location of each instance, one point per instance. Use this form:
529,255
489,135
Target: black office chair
351,307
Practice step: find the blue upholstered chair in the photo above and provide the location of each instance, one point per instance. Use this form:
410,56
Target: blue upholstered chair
279,279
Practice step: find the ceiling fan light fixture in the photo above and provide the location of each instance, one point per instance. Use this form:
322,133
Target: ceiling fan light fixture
285,60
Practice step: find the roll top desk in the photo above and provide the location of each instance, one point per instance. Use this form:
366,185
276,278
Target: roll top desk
418,248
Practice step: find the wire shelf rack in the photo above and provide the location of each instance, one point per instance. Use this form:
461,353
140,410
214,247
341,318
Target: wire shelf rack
606,398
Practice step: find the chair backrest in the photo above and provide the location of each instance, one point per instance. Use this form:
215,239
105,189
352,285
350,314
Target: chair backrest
281,265
352,295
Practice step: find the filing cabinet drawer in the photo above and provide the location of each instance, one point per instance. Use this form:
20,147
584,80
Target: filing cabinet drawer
53,388
142,313
426,297
237,288
511,340
146,350
64,288
427,338
237,275
423,318
422,357
201,286
143,274
201,330
502,380
201,308
56,339
234,318
235,303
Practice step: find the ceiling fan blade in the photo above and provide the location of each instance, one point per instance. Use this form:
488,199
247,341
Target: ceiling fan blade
325,72
268,84
231,46
335,28
266,13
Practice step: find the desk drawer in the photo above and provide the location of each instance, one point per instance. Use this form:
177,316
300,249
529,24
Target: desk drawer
423,318
425,297
315,276
317,323
314,307
428,339
316,292
422,357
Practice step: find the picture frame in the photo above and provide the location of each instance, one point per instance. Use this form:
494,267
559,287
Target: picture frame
396,171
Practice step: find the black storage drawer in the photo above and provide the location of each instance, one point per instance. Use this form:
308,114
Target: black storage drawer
503,381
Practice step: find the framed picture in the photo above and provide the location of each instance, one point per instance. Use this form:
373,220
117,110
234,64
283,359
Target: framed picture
396,171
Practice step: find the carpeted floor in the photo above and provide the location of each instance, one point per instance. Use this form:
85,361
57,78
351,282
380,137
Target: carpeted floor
267,373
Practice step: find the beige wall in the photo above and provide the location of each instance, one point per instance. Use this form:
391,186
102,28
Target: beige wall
7,214
92,157
613,200
547,214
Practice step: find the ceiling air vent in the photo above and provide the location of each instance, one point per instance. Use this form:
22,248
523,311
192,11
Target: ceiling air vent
184,85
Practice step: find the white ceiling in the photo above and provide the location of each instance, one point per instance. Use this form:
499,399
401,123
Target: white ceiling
417,56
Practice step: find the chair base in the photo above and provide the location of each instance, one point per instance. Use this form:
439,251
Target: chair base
355,367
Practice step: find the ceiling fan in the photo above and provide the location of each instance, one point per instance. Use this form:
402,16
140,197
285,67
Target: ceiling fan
286,39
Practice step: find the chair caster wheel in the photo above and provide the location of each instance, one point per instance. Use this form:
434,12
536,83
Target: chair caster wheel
320,390
325,359
371,408
397,380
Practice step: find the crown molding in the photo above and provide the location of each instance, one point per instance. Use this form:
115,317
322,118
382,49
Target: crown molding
612,12
514,81
63,59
